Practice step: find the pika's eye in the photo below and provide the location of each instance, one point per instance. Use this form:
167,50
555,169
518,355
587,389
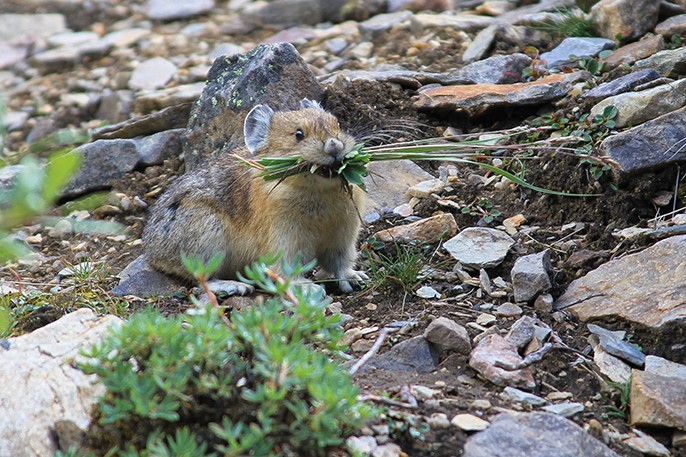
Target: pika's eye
299,135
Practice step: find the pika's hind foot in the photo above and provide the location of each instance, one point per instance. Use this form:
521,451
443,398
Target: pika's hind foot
230,287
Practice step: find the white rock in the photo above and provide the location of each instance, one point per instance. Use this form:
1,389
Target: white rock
40,387
469,422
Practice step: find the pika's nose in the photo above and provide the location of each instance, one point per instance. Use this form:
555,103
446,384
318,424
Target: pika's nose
333,147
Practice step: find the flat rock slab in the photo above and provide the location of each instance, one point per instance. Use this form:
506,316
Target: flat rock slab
654,143
657,400
460,98
647,288
425,230
479,247
389,181
415,354
536,434
40,387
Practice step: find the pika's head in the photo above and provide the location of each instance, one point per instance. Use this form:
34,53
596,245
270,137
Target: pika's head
310,133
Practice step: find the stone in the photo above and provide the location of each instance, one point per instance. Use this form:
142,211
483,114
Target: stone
438,421
632,52
620,85
376,26
578,46
523,15
293,12
152,74
584,257
519,396
388,182
645,288
478,96
652,144
27,27
448,335
479,247
623,350
508,310
425,188
141,280
173,117
469,423
565,409
405,78
537,434
638,107
274,75
544,303
168,10
664,367
427,292
485,319
465,21
103,163
670,63
362,445
424,230
612,367
125,38
413,355
115,106
657,401
481,43
156,148
147,102
530,275
493,348
521,332
675,25
106,161
496,69
628,19
41,388
646,444
72,38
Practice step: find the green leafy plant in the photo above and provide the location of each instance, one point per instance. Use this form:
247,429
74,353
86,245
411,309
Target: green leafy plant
622,409
482,207
254,384
352,169
593,65
586,131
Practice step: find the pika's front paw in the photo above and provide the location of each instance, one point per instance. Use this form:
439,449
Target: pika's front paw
351,275
230,287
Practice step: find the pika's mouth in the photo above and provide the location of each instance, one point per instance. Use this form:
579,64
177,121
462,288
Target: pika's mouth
328,171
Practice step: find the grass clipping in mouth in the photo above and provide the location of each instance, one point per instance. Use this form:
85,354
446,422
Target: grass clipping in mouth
353,167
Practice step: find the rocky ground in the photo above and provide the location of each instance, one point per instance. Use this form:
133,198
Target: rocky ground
500,271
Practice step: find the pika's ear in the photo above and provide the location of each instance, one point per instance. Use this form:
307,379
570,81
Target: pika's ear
307,103
256,126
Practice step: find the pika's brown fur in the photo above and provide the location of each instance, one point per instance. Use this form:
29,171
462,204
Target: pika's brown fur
223,206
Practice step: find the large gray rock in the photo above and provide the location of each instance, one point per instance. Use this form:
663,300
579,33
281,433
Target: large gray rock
41,389
275,75
628,19
106,161
621,85
530,275
535,434
448,335
638,107
652,144
670,63
657,401
388,182
646,288
415,354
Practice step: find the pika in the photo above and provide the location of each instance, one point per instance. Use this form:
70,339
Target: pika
223,206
